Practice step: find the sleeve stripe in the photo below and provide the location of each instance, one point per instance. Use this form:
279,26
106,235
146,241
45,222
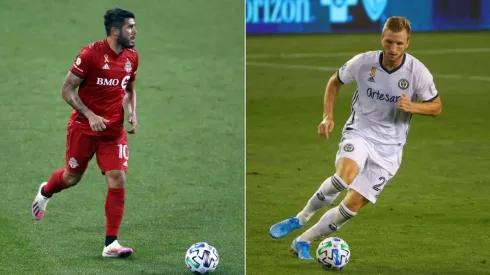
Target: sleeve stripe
432,99
338,77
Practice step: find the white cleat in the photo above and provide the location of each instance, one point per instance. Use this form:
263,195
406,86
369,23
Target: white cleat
39,204
115,250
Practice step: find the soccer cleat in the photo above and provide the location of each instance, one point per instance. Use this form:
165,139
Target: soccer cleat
115,250
39,204
301,249
285,227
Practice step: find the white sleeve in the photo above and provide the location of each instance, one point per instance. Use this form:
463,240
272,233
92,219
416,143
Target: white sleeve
348,72
426,88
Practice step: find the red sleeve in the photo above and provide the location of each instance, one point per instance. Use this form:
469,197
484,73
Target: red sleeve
83,63
133,73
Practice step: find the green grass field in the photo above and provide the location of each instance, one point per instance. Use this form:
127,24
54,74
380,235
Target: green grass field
431,219
186,178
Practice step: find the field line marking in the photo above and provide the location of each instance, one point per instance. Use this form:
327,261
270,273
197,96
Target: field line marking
333,69
351,54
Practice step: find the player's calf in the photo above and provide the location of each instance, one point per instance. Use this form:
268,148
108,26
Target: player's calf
59,180
325,195
71,179
336,217
331,221
114,210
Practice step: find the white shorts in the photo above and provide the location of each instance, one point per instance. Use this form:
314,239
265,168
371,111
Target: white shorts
375,168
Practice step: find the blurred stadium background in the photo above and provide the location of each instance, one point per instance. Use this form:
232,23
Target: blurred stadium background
433,217
185,181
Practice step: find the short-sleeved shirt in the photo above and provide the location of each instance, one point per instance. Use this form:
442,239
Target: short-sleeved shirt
374,113
105,77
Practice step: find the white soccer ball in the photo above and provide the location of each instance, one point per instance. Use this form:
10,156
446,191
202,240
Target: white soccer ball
333,253
201,258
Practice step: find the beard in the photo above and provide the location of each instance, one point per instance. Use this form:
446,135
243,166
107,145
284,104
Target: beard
393,58
124,42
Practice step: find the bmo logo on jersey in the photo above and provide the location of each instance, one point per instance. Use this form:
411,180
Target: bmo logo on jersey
113,82
107,82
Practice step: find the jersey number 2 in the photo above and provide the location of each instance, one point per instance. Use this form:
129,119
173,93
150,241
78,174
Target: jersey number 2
379,186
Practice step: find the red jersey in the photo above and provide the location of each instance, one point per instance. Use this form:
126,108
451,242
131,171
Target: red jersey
106,75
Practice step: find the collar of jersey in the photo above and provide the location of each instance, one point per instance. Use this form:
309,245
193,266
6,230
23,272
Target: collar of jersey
395,69
112,53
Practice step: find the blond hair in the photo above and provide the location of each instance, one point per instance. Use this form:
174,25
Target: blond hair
397,24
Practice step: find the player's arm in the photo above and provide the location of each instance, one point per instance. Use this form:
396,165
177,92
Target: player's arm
129,100
69,94
427,108
331,93
346,74
129,104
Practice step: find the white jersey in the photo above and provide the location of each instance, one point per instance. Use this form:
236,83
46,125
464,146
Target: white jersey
374,113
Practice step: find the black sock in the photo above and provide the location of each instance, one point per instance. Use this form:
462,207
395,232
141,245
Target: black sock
44,194
109,240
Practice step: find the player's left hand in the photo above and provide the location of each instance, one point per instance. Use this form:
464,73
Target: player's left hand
134,124
404,103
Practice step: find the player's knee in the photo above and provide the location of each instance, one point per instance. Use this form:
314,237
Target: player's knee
353,205
354,201
347,170
71,179
116,179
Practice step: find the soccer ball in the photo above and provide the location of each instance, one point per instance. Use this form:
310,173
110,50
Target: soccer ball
202,258
333,253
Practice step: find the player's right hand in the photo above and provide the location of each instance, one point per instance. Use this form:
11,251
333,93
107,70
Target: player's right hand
97,123
325,127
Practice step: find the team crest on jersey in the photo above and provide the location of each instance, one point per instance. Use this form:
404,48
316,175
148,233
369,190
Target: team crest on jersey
73,163
128,67
349,147
403,84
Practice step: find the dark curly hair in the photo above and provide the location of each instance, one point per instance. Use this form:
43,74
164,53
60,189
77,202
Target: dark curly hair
115,18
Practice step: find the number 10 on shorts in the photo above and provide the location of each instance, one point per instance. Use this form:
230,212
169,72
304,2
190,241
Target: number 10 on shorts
123,151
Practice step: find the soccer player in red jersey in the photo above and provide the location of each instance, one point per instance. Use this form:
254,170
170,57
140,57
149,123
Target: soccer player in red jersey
105,73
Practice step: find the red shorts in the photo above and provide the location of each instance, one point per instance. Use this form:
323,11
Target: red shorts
112,152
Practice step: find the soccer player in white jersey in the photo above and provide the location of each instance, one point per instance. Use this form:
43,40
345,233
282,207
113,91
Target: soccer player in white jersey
391,86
